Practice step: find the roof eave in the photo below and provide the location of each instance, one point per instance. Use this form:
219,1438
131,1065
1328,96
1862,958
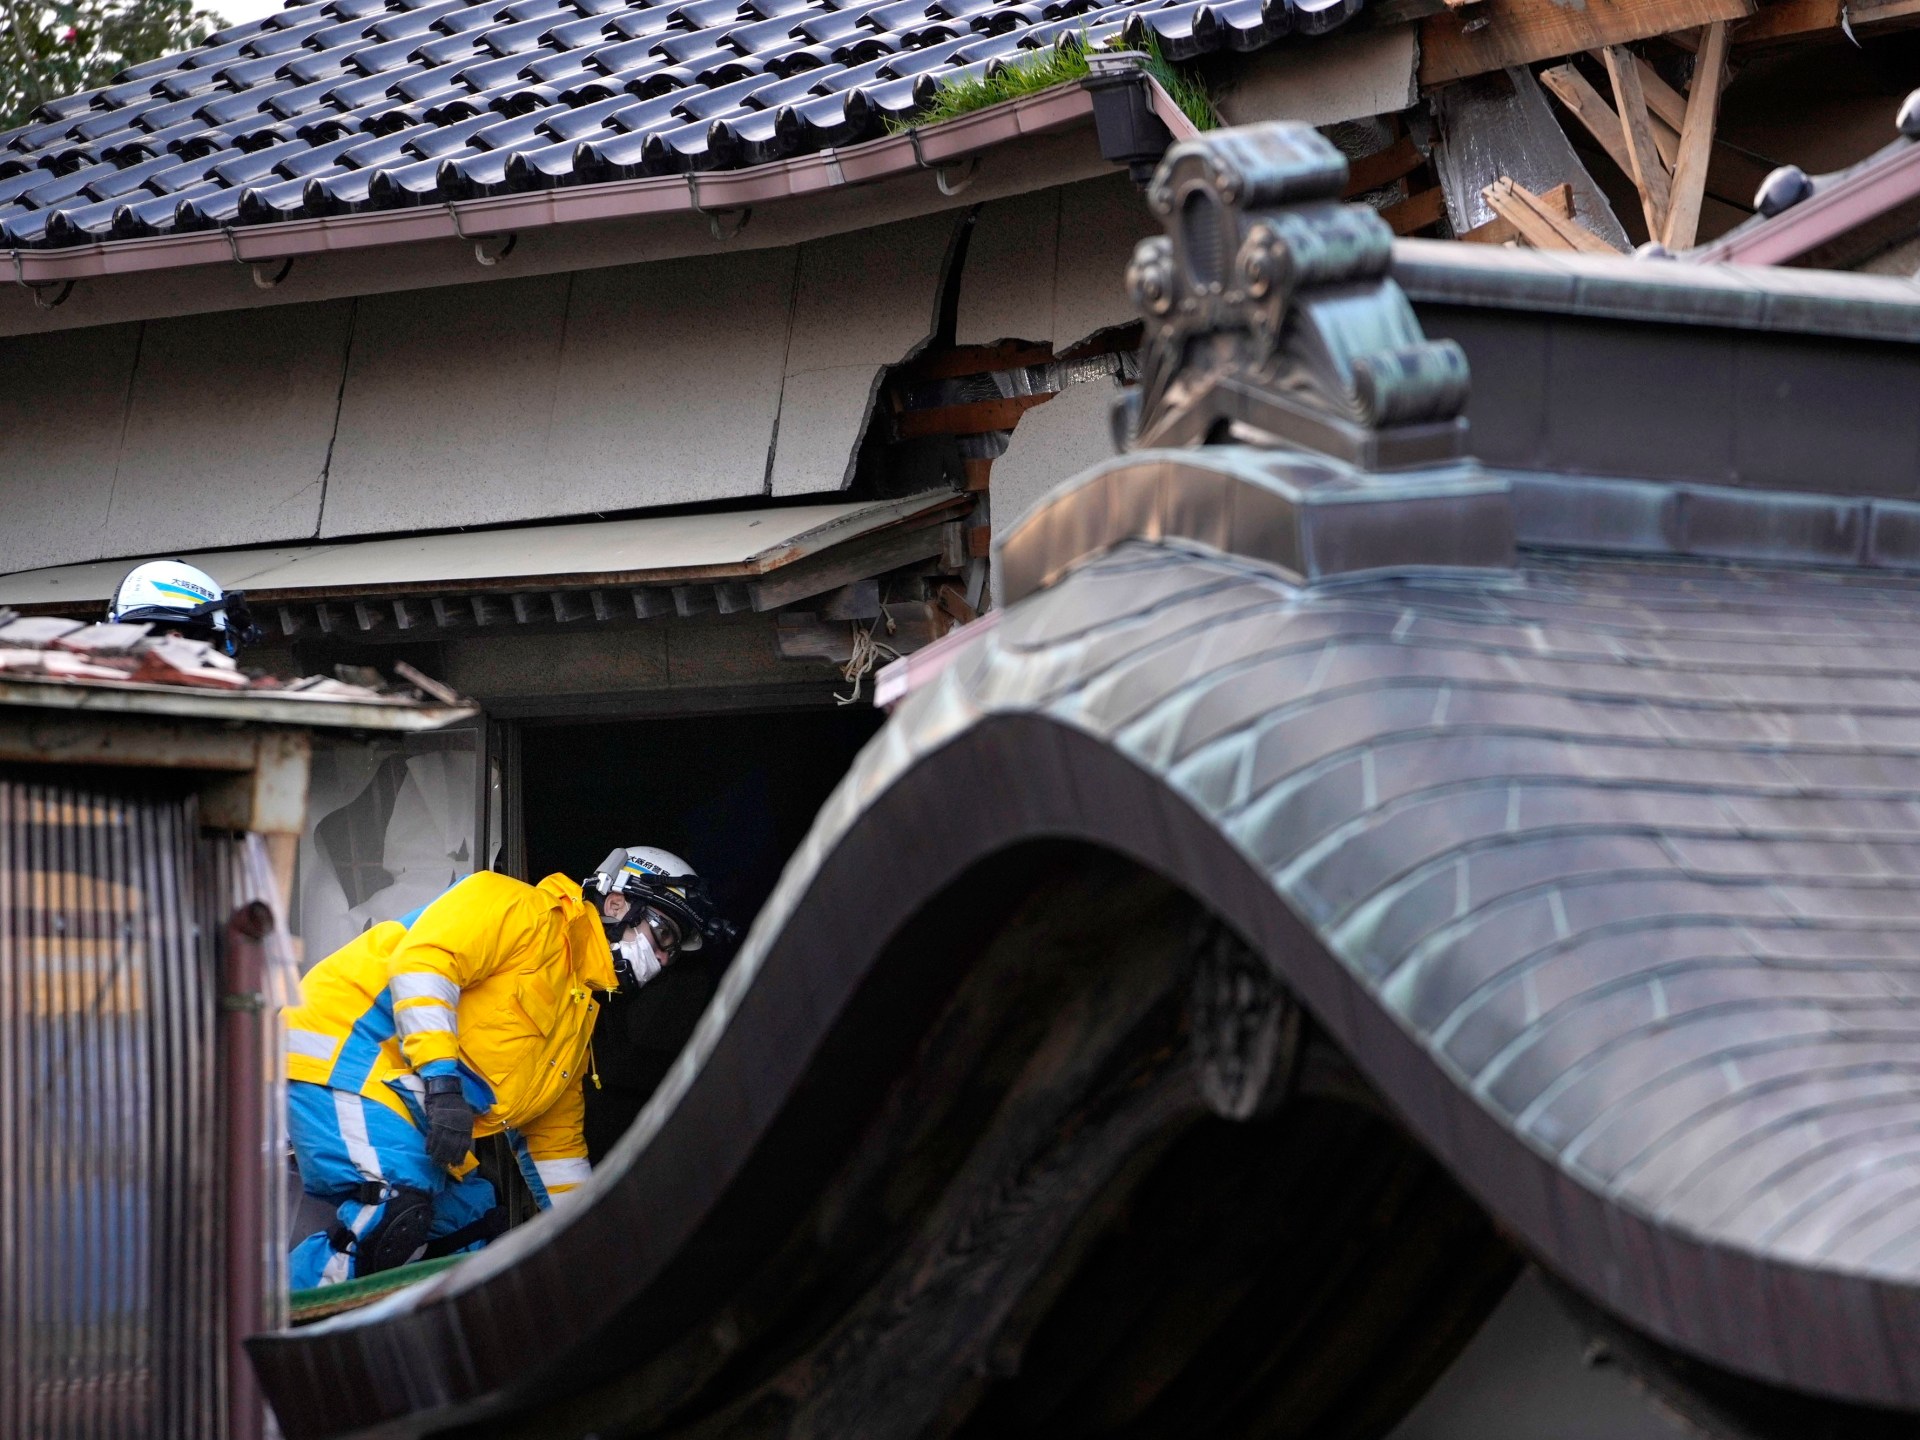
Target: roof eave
936,147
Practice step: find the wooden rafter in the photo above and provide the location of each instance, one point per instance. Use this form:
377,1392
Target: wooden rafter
1371,172
1498,33
1649,171
1416,212
1538,222
1732,175
1696,140
1590,108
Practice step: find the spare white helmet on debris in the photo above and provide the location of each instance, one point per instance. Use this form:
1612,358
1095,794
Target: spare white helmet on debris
174,595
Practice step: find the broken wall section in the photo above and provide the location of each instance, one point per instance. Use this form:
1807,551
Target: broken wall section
695,380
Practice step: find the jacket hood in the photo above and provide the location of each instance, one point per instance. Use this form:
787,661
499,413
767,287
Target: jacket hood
586,940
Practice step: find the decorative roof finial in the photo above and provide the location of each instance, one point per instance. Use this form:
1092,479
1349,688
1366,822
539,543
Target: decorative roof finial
1271,317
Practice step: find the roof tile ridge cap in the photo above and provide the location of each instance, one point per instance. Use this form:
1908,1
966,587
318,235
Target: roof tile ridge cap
1840,185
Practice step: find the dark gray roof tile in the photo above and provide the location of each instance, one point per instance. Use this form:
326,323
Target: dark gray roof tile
752,83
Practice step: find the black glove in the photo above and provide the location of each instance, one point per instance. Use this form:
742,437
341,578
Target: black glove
449,1121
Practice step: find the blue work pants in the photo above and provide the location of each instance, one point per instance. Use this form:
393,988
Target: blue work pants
343,1141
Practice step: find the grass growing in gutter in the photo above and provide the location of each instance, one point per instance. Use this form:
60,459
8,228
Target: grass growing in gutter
1056,65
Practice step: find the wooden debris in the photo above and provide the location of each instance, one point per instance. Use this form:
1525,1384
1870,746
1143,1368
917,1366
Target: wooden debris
1649,171
1505,127
1539,222
1696,140
1416,212
1732,175
1591,109
1500,231
1519,32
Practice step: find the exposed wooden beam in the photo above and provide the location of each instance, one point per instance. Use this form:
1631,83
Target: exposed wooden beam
1791,21
1590,108
1696,140
972,417
1370,172
1499,231
1732,175
1649,171
1416,212
1519,32
1538,222
845,564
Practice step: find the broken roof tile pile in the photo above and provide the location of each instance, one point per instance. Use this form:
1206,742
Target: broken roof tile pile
45,648
352,105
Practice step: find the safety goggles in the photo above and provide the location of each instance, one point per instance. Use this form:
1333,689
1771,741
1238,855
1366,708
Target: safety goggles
662,931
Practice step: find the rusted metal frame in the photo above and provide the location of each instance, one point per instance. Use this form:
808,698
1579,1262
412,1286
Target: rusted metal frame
244,1011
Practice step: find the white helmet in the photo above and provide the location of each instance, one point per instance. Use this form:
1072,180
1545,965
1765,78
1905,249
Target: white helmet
657,879
668,910
177,596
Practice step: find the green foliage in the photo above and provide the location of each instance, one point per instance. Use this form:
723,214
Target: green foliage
51,50
1056,65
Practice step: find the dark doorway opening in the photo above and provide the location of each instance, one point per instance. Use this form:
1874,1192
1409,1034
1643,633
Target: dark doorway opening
734,794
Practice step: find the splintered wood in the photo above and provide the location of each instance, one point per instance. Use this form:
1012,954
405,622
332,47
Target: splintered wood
1540,223
1501,232
1732,175
1696,140
1644,164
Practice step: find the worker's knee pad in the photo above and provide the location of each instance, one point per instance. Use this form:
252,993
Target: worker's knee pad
400,1231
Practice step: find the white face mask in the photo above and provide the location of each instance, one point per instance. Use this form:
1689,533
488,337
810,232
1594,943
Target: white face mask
636,948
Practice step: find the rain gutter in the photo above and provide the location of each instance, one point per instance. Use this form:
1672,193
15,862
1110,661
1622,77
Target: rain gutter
721,196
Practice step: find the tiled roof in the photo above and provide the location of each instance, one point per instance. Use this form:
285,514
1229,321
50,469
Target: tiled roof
354,105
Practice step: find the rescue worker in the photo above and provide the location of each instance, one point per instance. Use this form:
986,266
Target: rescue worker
179,599
472,1016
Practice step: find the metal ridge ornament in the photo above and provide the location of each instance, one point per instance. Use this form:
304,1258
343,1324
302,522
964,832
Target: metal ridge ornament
1272,318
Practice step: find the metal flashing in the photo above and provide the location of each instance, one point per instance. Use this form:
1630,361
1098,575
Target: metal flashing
1740,297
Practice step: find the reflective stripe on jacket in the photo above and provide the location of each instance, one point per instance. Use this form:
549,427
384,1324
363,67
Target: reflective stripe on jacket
494,982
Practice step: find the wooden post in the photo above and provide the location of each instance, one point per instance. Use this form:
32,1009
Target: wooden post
1649,173
243,1101
1696,140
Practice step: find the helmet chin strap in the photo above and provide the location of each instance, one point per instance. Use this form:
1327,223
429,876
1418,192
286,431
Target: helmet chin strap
634,958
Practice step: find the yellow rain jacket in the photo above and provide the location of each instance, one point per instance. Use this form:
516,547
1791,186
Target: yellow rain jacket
494,982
